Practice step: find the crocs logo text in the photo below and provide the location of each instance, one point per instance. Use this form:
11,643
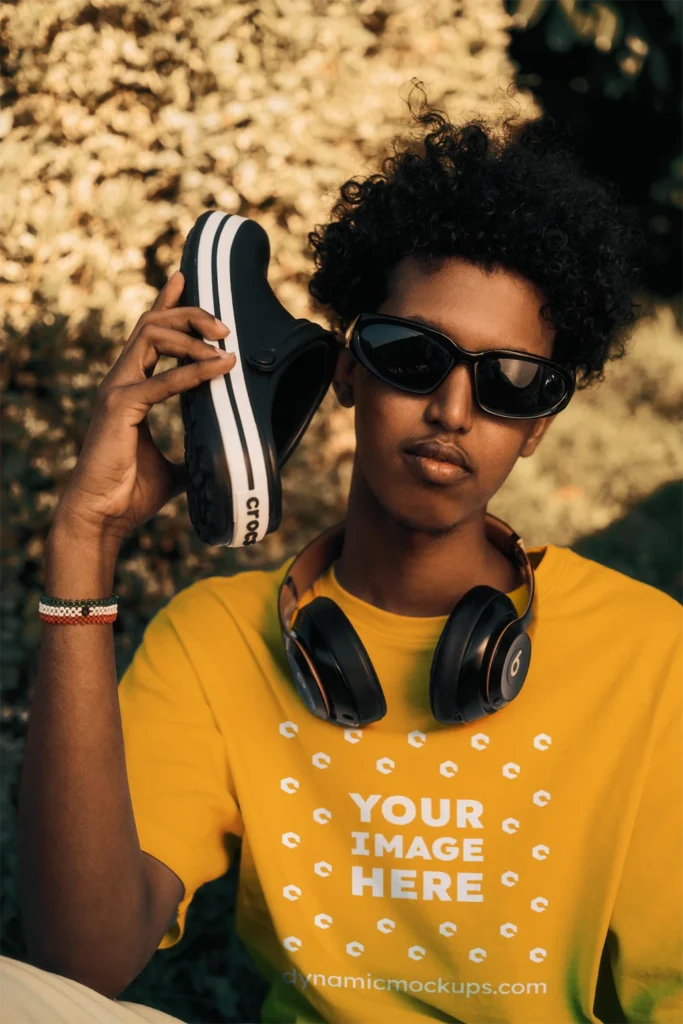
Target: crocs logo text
252,526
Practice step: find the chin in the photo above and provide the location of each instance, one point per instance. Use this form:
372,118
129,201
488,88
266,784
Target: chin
435,511
419,517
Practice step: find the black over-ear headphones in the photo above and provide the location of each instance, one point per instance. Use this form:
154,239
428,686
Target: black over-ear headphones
479,665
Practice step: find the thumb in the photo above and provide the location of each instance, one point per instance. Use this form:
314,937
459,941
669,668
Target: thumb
163,478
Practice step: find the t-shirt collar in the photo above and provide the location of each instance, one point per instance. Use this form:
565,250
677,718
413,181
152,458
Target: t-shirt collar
406,630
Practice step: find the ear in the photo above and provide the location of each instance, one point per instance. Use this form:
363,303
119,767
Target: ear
534,439
342,381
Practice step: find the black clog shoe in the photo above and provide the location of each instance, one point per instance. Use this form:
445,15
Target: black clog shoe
241,427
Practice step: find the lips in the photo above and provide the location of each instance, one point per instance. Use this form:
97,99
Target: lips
440,453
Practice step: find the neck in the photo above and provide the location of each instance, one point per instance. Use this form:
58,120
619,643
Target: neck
409,572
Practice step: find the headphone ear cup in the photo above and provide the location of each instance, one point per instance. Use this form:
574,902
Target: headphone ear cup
341,662
460,663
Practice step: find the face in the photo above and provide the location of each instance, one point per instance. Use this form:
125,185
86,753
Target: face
479,311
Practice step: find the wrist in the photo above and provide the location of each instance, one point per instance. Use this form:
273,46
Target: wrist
69,527
80,562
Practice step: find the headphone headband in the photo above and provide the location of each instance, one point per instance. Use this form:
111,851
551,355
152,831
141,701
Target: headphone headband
324,550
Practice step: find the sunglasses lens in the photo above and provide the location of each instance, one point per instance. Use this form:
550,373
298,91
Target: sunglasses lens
404,357
519,387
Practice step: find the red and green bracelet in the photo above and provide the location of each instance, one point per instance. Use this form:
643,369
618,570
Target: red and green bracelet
66,612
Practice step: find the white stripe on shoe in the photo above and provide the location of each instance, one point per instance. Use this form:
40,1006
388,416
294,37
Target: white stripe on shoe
239,433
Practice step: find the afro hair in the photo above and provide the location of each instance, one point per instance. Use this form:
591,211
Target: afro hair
517,199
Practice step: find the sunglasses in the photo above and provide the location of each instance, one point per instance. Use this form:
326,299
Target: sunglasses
417,359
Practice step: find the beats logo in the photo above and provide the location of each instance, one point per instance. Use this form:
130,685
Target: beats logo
252,525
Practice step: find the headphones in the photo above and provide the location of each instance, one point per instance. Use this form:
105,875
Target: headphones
479,664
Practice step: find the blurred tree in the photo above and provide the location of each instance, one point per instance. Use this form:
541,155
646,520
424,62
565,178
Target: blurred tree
610,74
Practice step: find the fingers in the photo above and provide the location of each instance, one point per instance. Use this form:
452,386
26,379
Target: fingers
166,337
171,292
167,298
182,318
171,382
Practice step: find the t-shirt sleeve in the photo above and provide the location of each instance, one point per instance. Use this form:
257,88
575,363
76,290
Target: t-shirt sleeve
184,804
647,917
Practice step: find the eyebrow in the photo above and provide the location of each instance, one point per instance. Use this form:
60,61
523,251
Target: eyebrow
438,326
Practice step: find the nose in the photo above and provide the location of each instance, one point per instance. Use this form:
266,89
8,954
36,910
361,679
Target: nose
452,404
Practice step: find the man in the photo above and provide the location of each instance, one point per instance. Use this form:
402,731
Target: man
522,866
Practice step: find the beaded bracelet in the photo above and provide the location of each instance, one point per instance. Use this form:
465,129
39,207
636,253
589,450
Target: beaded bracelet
66,612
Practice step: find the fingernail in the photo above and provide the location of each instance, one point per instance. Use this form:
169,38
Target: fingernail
222,352
221,324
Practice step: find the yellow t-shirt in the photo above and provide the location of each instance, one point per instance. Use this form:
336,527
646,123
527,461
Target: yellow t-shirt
413,871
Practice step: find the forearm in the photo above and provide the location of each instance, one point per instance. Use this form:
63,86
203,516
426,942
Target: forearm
81,877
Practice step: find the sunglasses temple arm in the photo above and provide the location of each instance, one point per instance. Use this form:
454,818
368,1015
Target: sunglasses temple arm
348,334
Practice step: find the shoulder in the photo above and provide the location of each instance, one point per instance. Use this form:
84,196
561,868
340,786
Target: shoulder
616,596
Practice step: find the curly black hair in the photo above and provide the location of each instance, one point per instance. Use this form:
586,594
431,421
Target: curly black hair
514,198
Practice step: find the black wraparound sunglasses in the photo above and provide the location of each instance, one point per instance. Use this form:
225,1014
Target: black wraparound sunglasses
417,359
